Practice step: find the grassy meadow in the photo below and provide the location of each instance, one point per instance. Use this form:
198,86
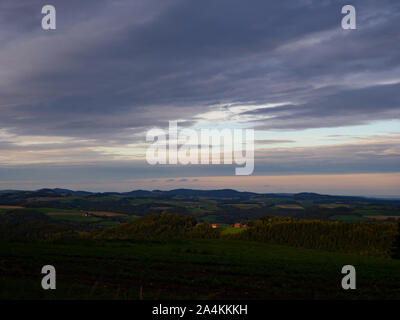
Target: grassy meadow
189,269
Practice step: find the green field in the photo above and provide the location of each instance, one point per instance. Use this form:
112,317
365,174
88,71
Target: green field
335,205
216,206
231,230
189,269
74,218
108,224
128,218
49,210
378,212
210,218
44,210
349,218
280,255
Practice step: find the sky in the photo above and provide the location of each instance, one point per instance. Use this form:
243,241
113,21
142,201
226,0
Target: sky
76,102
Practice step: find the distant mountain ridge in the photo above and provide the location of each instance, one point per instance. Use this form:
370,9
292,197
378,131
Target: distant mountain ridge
218,193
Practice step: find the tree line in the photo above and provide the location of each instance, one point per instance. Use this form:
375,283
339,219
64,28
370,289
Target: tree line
366,238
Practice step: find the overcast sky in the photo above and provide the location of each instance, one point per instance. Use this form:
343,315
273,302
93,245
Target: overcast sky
76,102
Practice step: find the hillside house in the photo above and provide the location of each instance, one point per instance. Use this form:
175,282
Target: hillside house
239,225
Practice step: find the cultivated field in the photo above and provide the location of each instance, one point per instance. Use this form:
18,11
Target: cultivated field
190,269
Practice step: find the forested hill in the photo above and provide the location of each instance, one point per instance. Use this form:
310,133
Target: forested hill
221,193
214,206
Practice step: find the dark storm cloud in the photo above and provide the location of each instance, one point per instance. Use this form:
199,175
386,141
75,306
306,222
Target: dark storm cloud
114,68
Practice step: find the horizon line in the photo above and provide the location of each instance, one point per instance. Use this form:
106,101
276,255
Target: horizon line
384,197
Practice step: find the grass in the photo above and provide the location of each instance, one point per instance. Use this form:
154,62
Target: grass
71,199
349,218
43,210
108,224
141,201
335,205
49,210
210,218
245,205
378,212
189,269
74,218
231,230
289,206
128,218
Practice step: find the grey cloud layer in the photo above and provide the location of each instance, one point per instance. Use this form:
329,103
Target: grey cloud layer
379,156
117,67
347,107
